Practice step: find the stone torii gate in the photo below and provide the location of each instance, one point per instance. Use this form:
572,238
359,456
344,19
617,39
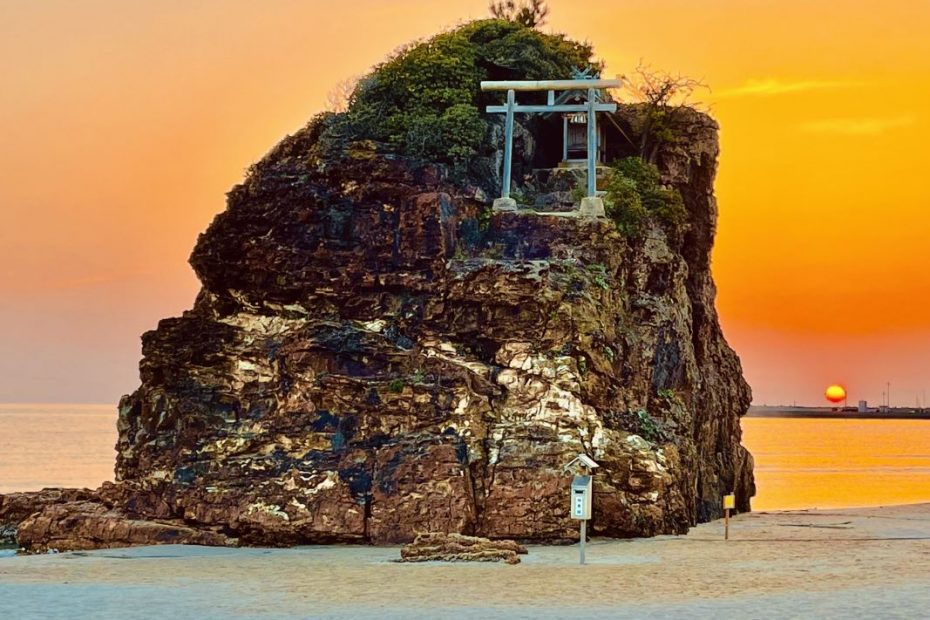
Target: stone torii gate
591,205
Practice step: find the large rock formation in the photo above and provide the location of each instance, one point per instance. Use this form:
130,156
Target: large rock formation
359,368
367,360
374,353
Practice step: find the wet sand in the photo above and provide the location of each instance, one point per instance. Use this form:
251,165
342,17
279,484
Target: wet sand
813,564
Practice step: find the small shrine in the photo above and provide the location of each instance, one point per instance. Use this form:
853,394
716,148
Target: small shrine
575,140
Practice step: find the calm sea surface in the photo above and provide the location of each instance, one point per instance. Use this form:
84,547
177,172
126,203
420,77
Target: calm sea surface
56,445
817,463
800,463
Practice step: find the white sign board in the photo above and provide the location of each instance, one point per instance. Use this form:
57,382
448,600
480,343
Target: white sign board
581,498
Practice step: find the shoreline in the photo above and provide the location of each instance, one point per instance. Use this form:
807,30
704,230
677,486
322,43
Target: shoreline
813,563
836,415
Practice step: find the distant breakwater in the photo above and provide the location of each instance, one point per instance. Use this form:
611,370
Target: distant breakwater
814,412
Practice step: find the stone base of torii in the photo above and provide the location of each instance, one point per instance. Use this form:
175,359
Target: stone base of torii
590,206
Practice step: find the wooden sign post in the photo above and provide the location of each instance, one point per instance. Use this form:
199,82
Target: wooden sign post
582,491
729,503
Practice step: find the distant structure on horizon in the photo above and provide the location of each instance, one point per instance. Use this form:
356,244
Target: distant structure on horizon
862,410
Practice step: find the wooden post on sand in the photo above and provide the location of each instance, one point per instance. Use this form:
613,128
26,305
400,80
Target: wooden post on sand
729,503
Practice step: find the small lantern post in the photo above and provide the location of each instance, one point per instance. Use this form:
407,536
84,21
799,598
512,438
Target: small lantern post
581,495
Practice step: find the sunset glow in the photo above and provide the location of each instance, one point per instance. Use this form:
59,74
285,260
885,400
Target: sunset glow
124,124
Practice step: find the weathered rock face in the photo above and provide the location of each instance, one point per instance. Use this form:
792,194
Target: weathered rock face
366,361
371,357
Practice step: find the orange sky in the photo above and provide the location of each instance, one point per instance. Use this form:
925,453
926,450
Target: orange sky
122,124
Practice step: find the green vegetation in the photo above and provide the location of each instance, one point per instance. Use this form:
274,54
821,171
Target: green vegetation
638,422
425,100
397,384
579,191
649,429
599,275
667,393
582,365
524,198
634,196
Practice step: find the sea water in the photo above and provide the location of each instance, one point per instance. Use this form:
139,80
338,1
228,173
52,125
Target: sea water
800,463
826,463
56,446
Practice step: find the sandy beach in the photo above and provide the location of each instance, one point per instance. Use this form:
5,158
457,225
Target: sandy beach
823,564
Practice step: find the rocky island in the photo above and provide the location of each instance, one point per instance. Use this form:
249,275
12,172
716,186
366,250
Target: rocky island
376,353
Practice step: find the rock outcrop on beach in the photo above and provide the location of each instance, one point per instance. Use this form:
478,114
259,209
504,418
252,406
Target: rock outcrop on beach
458,548
81,519
17,507
376,354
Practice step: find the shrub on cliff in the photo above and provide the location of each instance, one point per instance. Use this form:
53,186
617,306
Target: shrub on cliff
664,97
530,13
454,135
426,102
634,195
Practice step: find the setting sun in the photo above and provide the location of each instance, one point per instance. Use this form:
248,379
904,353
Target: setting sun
836,393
